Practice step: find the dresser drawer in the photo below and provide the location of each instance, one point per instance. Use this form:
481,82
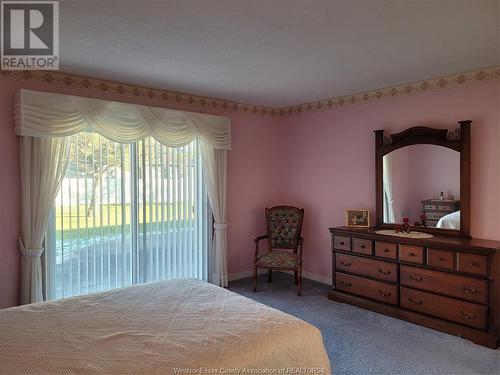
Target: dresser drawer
431,223
367,267
362,246
444,207
472,263
441,259
386,250
342,243
411,254
465,313
434,215
367,288
464,287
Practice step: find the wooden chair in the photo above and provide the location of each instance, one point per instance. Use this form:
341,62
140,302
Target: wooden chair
284,226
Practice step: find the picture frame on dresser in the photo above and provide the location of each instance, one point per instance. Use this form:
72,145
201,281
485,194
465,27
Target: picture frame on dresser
359,218
448,282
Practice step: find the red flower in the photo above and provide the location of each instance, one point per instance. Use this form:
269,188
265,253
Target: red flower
406,220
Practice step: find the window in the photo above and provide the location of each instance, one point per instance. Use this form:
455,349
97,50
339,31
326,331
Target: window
127,214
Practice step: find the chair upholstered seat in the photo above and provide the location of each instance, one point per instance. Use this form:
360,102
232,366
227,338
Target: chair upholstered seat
278,259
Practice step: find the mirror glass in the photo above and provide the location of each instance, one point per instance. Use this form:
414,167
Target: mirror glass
422,183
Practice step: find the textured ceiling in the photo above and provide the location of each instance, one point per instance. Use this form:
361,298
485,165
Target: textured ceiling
276,52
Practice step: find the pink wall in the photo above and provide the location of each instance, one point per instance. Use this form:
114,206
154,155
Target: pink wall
327,159
252,182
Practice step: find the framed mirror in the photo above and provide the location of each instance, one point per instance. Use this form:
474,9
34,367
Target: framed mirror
423,175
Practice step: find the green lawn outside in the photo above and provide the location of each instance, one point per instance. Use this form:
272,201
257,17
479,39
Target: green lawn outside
78,224
111,215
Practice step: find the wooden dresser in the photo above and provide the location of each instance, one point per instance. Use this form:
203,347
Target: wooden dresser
435,209
446,283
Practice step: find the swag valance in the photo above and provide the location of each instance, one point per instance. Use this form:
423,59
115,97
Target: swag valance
42,114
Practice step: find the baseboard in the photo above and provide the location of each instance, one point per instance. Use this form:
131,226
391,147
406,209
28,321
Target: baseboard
306,275
244,274
314,277
319,278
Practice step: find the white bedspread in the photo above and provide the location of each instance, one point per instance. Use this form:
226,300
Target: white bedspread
450,221
155,328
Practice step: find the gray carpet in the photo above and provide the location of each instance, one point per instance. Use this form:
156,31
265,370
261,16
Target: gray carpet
359,341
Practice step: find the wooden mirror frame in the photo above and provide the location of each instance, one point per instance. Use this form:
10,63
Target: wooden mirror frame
423,135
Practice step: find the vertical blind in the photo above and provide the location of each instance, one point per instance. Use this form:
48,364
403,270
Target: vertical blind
127,214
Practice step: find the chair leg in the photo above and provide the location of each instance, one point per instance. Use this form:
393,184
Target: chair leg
270,276
255,279
296,277
299,284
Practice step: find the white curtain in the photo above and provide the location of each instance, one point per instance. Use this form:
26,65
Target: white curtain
43,164
41,114
45,121
387,182
214,174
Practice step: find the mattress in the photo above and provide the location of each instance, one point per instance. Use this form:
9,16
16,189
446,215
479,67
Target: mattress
181,326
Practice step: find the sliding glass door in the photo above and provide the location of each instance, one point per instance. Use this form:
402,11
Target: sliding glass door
126,214
172,213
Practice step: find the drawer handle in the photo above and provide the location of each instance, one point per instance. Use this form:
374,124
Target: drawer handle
346,283
468,316
384,294
412,301
362,246
386,250
416,278
411,254
348,264
440,259
384,272
342,243
468,290
473,264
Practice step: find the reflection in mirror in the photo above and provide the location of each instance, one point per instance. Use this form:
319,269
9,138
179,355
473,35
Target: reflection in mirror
422,182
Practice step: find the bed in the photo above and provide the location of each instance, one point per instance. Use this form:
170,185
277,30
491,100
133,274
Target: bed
181,326
450,221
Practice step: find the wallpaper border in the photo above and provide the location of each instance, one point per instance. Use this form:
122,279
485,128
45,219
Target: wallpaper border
60,79
418,87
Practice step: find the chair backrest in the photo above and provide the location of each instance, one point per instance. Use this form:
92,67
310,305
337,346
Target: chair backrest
284,226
